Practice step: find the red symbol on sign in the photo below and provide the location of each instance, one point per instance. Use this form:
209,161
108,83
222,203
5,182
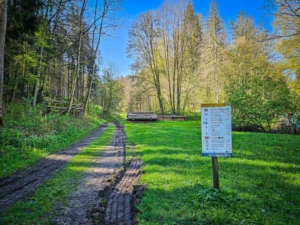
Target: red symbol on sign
206,137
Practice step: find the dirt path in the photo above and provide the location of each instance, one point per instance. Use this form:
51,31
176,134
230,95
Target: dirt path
120,203
22,185
104,195
93,200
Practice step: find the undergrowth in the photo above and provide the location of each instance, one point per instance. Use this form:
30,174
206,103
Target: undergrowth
32,135
55,192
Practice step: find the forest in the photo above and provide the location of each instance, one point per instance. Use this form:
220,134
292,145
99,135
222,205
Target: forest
50,61
69,156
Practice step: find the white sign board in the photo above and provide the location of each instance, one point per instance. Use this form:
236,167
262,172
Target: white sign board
216,131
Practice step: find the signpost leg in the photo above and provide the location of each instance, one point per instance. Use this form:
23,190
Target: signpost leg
215,172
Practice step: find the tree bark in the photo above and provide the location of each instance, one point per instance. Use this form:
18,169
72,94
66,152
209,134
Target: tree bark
37,83
3,20
76,71
105,9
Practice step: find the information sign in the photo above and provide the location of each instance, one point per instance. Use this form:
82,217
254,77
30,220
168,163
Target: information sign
216,131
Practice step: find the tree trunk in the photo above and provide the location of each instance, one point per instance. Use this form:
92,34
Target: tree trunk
3,20
37,83
159,96
69,77
76,71
95,53
160,102
178,111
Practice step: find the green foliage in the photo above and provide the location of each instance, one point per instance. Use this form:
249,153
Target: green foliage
111,91
160,41
259,185
259,102
56,191
23,18
192,116
287,23
34,136
214,44
255,87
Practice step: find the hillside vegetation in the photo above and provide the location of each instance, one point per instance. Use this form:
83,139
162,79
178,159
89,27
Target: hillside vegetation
32,136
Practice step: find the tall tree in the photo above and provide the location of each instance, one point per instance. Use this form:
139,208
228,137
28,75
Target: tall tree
3,20
171,49
143,46
175,53
192,37
243,27
287,28
213,54
23,22
255,87
111,90
107,24
41,44
78,54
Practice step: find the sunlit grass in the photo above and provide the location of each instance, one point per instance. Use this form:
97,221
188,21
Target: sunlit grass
56,190
21,147
259,184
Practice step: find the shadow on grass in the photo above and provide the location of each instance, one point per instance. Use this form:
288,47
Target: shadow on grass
259,185
252,194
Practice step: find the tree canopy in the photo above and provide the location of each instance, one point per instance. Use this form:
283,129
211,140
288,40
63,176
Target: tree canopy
180,59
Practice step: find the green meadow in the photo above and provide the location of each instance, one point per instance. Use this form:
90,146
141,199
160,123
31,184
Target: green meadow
260,184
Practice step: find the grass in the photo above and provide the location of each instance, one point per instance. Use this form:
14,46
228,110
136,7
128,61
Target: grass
55,192
31,138
260,184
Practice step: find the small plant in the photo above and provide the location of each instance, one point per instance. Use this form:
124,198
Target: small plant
215,195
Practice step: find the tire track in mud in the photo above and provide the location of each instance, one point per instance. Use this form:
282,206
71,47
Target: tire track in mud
104,193
119,207
22,185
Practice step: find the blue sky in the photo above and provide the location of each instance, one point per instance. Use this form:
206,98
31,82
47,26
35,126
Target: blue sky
113,50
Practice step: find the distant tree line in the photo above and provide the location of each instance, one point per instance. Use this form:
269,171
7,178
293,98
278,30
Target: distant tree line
182,60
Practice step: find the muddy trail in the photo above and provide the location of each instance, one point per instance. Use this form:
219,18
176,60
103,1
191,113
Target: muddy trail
106,195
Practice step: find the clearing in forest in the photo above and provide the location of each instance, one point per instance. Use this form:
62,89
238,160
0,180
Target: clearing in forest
260,184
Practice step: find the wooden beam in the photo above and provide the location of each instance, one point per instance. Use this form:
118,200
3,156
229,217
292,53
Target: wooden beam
213,104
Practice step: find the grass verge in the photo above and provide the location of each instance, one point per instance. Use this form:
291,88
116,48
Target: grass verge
24,142
56,190
259,185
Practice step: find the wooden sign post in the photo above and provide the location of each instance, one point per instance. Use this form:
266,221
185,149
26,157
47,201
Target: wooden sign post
216,134
215,172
